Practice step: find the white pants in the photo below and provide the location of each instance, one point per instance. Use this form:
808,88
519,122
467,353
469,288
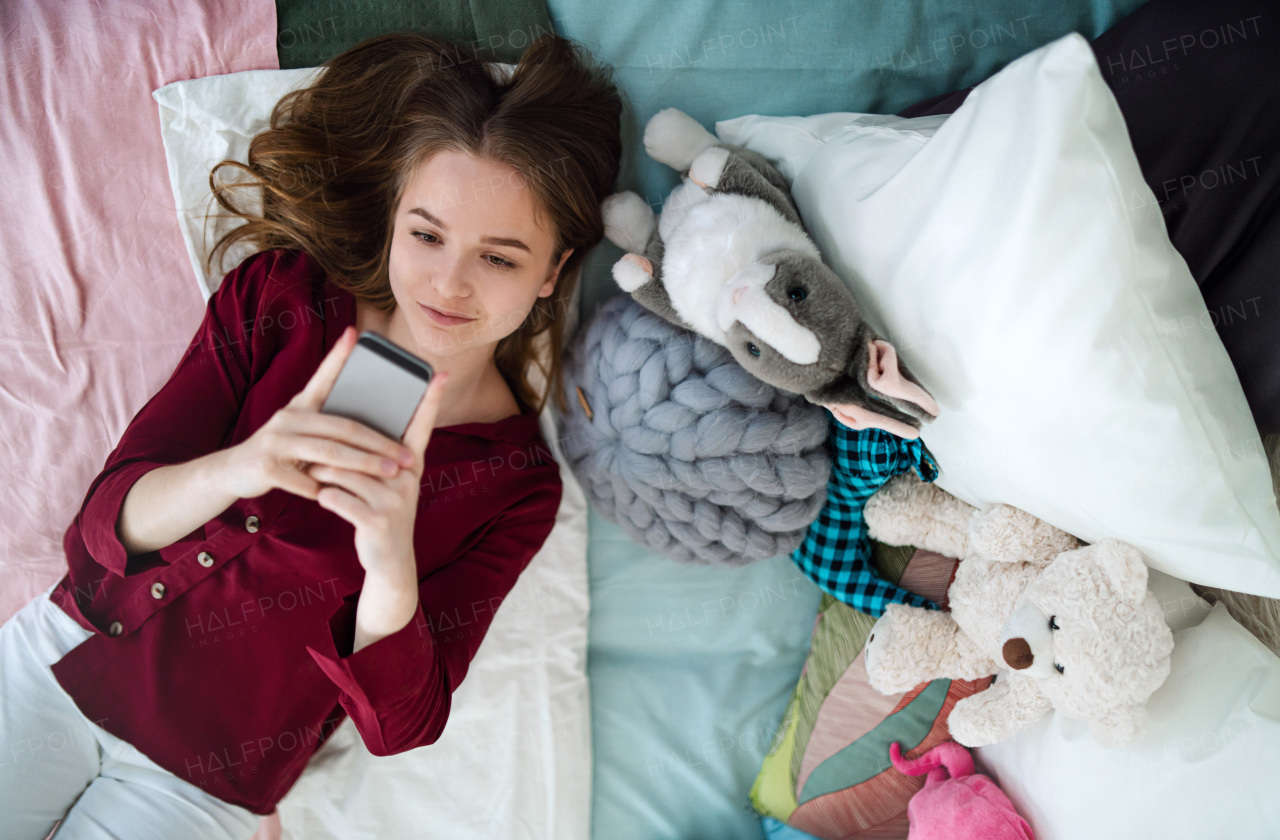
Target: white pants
57,764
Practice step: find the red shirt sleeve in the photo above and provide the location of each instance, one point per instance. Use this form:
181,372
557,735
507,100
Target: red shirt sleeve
398,690
190,416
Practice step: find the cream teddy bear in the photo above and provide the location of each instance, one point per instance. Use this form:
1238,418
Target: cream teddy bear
1065,627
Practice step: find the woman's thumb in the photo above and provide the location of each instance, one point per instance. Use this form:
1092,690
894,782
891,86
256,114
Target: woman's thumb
321,382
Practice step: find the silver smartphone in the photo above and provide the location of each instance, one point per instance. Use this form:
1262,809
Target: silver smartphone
380,384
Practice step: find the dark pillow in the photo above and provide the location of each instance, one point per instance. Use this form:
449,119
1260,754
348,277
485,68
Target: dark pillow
1199,86
310,32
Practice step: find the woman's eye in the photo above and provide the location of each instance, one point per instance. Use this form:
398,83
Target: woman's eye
493,260
1053,625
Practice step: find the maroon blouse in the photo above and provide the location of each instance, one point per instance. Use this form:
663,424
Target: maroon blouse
226,656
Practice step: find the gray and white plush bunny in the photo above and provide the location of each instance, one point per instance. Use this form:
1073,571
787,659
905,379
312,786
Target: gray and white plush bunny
730,260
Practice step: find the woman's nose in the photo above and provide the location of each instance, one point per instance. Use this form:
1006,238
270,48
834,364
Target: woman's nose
450,279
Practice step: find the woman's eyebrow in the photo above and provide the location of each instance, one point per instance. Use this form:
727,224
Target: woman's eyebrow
489,240
430,218
511,243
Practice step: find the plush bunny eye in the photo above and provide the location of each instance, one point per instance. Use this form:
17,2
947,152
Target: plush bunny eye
1059,668
797,293
1053,625
752,349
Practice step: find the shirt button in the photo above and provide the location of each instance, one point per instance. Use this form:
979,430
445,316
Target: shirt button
116,628
251,524
157,590
205,558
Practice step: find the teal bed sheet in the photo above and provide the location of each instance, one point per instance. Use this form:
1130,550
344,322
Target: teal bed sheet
685,695
691,668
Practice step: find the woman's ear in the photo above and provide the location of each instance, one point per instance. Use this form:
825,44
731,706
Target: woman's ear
549,284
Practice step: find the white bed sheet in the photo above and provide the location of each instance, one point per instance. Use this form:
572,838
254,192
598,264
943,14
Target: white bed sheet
515,758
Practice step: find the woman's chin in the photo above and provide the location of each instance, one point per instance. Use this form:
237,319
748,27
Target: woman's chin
440,342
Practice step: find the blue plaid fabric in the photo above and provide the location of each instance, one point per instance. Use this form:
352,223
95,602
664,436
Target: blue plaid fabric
836,552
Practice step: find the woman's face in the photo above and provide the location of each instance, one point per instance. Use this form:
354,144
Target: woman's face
465,243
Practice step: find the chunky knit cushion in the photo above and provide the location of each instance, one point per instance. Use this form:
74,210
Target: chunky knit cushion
692,455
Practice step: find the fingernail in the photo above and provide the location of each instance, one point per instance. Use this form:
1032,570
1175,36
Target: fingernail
406,457
388,466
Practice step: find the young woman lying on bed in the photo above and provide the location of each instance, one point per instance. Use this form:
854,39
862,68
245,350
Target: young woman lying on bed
247,571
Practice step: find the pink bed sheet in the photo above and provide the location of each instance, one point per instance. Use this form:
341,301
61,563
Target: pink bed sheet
98,299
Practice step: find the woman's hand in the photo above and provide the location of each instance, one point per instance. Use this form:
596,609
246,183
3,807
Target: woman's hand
382,505
366,477
299,434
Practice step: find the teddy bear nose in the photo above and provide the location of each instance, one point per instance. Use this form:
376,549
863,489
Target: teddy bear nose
1017,654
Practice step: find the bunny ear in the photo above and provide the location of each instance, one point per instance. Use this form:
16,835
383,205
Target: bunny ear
884,376
858,418
957,760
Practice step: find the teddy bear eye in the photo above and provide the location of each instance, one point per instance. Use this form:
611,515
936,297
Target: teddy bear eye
797,293
1059,668
1053,625
752,349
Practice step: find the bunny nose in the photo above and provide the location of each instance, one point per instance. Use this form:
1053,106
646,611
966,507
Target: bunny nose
738,293
1017,654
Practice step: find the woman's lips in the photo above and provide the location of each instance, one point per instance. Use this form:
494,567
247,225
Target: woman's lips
443,319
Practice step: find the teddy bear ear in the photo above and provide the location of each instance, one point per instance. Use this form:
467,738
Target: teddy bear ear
1124,568
1119,727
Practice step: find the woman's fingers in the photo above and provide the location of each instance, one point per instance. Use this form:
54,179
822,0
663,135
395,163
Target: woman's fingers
351,442
317,388
367,489
307,450
298,482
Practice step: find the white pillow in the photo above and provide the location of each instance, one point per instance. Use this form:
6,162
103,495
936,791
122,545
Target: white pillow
515,758
1208,764
205,121
1016,258
202,122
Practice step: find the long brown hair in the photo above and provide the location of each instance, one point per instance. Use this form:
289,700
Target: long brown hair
333,165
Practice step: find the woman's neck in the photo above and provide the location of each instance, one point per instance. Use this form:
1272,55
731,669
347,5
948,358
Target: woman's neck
477,391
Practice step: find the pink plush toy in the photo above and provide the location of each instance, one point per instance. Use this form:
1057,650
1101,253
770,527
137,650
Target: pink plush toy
967,806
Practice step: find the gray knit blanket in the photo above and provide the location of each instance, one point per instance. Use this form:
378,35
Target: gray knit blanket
690,454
